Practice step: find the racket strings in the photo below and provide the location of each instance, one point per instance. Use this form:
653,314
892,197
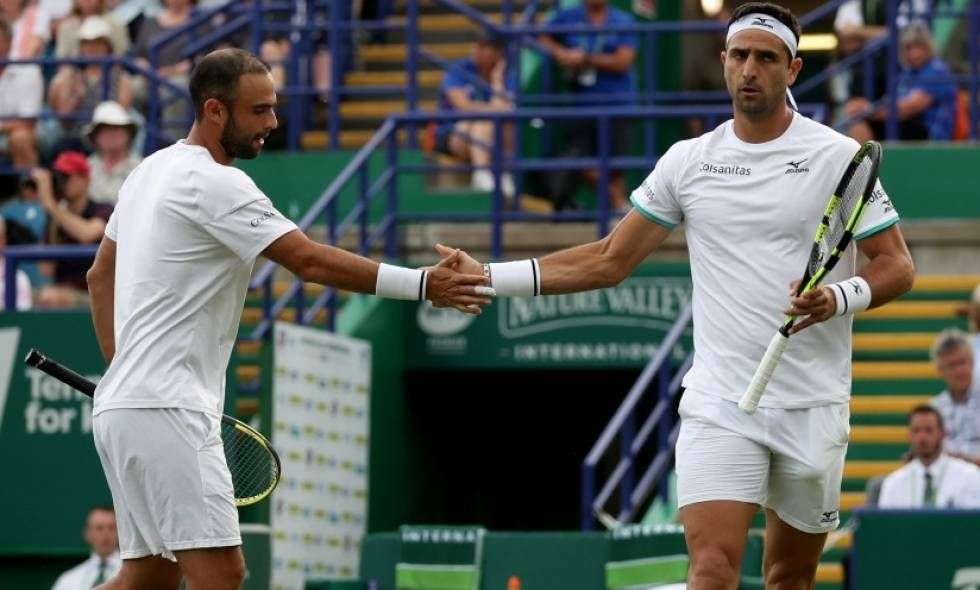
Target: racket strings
850,199
252,467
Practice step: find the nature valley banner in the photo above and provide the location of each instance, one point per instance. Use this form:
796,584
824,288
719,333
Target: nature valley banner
52,472
617,327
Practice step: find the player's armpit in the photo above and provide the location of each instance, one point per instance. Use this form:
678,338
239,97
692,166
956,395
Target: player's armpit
890,270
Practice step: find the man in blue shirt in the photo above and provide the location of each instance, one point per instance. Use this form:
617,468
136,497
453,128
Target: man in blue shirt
599,66
477,84
926,95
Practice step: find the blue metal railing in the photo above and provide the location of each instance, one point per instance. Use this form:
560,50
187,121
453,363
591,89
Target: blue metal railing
15,255
661,419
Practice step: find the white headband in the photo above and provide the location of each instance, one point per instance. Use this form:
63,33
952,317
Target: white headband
763,22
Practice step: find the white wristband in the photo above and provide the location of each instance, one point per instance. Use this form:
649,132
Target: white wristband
853,295
521,278
397,282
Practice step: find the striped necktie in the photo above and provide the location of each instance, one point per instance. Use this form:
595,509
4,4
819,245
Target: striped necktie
929,495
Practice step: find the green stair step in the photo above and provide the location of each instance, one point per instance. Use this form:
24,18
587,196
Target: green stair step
890,387
873,324
876,451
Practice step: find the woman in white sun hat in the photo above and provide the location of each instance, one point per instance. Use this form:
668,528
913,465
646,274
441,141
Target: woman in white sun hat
111,134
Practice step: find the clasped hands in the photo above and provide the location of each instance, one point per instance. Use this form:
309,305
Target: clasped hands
458,281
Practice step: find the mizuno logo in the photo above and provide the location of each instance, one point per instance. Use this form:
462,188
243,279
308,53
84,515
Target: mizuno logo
857,287
794,167
828,516
762,22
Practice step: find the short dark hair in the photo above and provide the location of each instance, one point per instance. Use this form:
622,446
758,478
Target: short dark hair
776,11
217,75
927,409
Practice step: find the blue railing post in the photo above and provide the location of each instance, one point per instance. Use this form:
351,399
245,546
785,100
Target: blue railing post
972,30
391,218
496,165
154,122
891,124
257,32
665,425
602,186
588,495
626,436
412,65
10,283
267,299
362,199
335,65
294,125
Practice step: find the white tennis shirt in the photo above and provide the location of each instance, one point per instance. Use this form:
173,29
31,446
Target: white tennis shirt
750,212
187,233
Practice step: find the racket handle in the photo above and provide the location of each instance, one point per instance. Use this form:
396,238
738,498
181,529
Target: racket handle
750,399
60,372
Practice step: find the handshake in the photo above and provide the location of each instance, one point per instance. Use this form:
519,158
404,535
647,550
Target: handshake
458,281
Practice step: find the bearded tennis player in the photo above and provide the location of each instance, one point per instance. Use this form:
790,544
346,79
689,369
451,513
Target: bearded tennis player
168,286
750,195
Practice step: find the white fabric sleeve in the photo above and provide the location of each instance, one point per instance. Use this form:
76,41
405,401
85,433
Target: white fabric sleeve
239,215
886,498
656,197
879,214
112,227
24,296
971,490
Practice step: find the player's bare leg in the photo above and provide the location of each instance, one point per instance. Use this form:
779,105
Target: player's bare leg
715,532
791,556
145,573
221,568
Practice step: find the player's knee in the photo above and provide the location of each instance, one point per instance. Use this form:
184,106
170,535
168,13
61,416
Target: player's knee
790,575
713,569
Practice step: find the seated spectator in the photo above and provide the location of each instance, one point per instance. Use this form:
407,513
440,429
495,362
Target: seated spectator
73,219
171,64
959,403
104,562
24,294
111,133
68,40
23,32
472,141
77,90
24,211
932,479
926,95
598,65
973,318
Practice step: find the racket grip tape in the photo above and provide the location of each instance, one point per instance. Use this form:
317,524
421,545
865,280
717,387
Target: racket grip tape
750,399
60,372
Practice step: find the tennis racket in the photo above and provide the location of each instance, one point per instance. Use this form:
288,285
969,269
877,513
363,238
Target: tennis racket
254,464
834,233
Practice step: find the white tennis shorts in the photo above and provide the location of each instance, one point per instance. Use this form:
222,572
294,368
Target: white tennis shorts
790,461
169,480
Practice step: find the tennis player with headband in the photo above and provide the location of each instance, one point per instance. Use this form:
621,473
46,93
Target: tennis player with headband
167,286
750,194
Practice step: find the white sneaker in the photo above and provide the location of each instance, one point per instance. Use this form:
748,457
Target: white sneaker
482,180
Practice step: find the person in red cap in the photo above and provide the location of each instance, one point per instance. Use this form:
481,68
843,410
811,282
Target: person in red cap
72,219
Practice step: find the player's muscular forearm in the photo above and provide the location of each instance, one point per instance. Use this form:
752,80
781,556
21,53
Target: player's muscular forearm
890,270
101,287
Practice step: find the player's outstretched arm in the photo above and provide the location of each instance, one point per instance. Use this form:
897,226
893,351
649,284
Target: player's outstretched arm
889,273
596,265
318,263
101,288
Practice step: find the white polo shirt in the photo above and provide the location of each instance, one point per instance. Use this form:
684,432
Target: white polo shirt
957,484
187,233
961,421
750,212
85,574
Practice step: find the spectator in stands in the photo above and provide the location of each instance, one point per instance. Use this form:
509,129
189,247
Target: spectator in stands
73,219
472,141
24,294
111,133
22,33
973,318
100,536
959,403
68,40
26,219
926,95
932,479
600,69
77,90
171,64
